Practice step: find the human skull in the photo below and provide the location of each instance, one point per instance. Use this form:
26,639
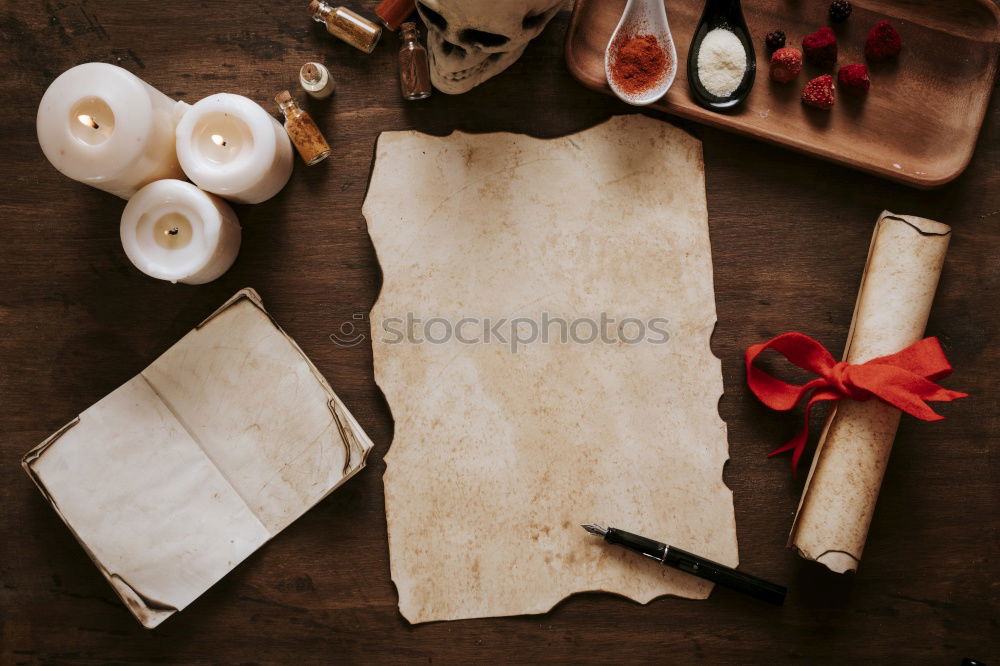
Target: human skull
473,40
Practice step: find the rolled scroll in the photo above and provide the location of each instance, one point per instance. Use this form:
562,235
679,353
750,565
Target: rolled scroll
897,287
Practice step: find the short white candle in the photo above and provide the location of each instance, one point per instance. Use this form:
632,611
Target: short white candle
103,126
173,231
229,145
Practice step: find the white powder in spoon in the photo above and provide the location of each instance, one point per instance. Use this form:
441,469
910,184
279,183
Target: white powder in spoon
722,61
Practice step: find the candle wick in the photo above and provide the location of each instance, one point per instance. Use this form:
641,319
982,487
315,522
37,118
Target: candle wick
88,120
173,232
219,140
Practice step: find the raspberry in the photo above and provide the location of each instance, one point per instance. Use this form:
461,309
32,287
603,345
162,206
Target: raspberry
854,78
786,64
840,10
774,40
820,47
818,93
883,42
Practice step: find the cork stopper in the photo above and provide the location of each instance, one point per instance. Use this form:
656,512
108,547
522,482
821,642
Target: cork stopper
284,97
309,72
314,7
408,30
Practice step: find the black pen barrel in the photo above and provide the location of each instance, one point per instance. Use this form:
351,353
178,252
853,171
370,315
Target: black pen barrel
640,544
726,576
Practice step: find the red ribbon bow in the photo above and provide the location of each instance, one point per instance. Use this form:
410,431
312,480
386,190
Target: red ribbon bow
905,380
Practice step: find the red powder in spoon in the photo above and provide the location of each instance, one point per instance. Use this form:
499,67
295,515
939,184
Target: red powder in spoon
639,64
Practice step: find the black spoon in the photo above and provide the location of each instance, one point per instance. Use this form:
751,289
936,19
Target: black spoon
721,14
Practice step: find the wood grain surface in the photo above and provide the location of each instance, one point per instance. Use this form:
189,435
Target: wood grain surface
789,234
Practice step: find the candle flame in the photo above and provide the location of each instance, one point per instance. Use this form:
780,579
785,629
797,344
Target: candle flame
219,140
89,121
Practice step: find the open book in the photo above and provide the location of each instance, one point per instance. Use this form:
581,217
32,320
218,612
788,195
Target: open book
177,476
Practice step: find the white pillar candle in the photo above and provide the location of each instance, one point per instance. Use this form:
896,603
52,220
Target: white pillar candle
229,145
173,231
104,126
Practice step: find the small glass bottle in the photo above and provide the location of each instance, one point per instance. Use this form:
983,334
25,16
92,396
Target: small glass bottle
316,80
349,26
414,73
393,12
302,130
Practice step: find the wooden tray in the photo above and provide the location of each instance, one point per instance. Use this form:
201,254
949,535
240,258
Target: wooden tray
919,122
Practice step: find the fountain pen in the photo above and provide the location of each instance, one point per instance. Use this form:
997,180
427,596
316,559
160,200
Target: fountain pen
693,564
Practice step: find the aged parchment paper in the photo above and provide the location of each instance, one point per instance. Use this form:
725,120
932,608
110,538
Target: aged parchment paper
498,456
897,288
182,472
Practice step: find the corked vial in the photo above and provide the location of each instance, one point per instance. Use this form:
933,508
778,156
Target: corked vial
392,13
347,25
315,79
302,130
414,72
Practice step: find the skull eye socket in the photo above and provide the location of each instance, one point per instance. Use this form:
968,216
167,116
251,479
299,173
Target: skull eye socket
483,38
432,16
532,21
447,48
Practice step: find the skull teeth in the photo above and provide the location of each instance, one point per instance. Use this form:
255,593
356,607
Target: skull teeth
465,73
462,74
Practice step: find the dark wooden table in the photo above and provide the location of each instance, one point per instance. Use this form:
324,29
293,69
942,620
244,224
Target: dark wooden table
789,233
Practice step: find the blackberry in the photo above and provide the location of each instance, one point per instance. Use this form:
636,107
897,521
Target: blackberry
840,10
775,40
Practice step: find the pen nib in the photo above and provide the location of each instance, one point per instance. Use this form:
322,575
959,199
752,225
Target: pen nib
595,529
